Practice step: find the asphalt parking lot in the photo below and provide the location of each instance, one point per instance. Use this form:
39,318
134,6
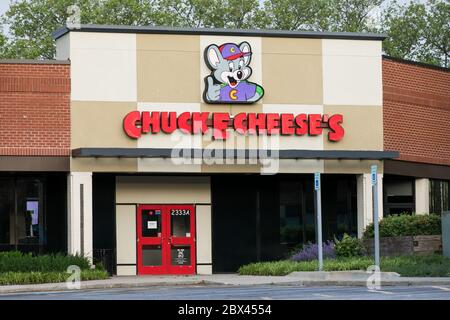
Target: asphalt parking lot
266,292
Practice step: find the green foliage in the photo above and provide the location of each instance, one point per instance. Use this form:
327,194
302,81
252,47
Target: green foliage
407,266
418,31
407,225
17,278
348,247
19,262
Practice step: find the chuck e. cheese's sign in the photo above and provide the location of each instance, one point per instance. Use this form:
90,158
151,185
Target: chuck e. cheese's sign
137,123
229,83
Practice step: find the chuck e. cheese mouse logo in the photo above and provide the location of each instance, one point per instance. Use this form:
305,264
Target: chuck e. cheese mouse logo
227,83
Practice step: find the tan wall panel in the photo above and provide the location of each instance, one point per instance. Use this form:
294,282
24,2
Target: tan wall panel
104,164
203,226
168,165
168,68
300,166
204,269
351,166
100,124
126,270
231,168
148,189
292,71
126,234
363,127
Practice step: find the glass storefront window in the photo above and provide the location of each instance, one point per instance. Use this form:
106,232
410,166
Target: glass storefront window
439,196
21,213
398,193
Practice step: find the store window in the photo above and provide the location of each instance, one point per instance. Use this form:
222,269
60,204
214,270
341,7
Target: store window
297,223
21,214
398,195
439,196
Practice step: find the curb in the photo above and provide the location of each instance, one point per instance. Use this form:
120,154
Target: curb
88,285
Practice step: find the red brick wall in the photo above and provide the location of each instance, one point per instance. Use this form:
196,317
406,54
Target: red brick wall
34,109
416,111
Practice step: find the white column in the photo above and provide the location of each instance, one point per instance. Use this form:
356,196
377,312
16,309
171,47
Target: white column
422,196
364,200
204,244
79,219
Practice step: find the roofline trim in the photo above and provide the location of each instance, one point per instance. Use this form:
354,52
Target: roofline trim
31,61
416,63
216,31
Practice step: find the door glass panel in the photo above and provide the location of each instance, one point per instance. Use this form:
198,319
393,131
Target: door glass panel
151,223
151,255
180,255
29,221
180,222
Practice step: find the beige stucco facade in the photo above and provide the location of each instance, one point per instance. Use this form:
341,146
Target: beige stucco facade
114,73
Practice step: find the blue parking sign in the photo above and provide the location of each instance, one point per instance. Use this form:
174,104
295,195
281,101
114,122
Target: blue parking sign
317,181
373,174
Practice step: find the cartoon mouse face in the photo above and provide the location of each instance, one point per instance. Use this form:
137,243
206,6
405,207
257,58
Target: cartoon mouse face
227,83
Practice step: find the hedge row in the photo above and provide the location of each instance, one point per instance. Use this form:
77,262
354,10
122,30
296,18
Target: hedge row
408,266
407,225
17,278
15,261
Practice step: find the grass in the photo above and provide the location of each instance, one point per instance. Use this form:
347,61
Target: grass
407,266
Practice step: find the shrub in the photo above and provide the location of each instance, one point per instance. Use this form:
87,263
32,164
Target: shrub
15,261
407,225
310,251
349,247
17,278
407,266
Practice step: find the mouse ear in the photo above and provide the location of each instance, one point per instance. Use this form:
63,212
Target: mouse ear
213,55
247,50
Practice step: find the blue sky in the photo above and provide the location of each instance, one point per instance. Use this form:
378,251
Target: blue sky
4,4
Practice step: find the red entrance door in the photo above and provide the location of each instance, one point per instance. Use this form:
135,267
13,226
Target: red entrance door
166,239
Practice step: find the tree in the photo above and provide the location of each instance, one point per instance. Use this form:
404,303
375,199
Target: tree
351,15
295,14
418,32
32,22
236,14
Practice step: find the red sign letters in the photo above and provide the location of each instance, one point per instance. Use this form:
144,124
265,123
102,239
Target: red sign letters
137,123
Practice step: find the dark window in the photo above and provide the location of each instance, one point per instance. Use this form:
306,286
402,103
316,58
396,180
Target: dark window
398,195
33,213
259,218
151,223
439,196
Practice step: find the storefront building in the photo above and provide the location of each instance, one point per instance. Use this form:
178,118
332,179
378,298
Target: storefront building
182,151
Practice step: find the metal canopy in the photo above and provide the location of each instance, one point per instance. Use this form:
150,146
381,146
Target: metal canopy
237,153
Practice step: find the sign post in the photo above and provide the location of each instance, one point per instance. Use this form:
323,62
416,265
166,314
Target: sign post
319,218
376,231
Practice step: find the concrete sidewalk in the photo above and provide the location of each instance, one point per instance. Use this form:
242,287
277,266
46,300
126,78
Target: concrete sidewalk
337,278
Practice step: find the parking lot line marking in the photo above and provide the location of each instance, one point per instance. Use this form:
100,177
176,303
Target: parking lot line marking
381,291
441,288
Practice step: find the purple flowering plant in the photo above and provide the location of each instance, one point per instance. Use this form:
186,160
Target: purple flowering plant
310,252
